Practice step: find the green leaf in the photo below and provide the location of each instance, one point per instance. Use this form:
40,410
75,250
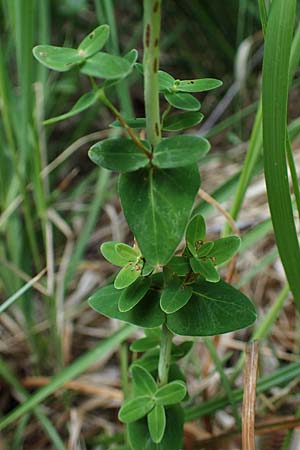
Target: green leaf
204,249
200,85
131,56
206,269
104,65
157,205
179,151
147,269
182,121
138,123
135,409
224,249
57,58
119,154
127,252
171,393
179,265
133,294
108,250
181,350
274,105
157,423
83,103
143,381
183,101
165,81
214,308
128,275
146,314
94,41
140,439
195,233
143,344
175,296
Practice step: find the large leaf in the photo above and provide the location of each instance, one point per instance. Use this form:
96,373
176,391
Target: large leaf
133,294
136,408
182,121
182,100
119,154
140,439
200,85
274,104
214,308
104,65
94,41
57,58
179,151
146,313
157,423
83,103
157,205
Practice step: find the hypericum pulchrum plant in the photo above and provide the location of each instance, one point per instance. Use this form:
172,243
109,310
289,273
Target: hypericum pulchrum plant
158,288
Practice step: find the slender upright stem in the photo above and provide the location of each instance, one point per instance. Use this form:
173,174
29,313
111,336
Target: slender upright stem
152,15
165,355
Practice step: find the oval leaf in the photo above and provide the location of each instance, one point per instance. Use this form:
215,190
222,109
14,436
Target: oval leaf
171,393
157,205
135,409
179,265
206,269
195,233
103,65
138,123
83,103
127,275
175,296
224,249
57,58
179,122
133,294
214,308
108,250
179,151
165,81
200,85
119,154
183,101
127,252
146,343
146,313
94,41
204,249
143,381
157,423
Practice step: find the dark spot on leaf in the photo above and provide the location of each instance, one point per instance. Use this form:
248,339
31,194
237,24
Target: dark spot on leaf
92,35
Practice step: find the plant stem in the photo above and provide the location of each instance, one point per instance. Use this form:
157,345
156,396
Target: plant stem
152,14
165,355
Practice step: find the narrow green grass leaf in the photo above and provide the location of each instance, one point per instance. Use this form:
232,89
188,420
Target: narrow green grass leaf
274,100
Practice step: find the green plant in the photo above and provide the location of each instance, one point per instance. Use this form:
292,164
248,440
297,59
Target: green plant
160,288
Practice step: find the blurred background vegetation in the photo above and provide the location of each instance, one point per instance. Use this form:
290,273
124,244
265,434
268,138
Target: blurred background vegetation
56,208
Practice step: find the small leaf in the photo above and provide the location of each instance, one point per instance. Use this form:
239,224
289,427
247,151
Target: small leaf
157,205
175,296
179,265
179,122
147,269
83,103
181,350
179,151
119,154
127,275
183,101
224,249
146,314
171,393
135,409
104,65
127,252
143,381
157,423
131,56
165,81
133,294
94,41
108,250
214,308
61,59
195,233
138,123
204,249
206,269
200,85
143,344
